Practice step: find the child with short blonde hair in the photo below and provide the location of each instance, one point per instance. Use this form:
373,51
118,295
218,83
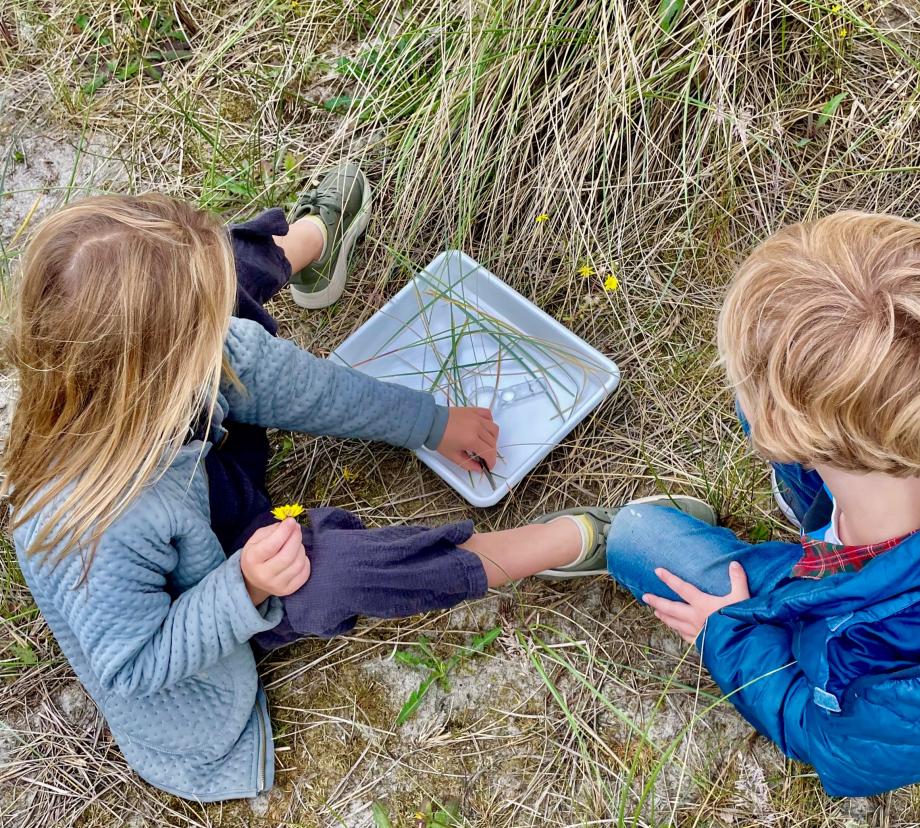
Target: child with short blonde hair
816,643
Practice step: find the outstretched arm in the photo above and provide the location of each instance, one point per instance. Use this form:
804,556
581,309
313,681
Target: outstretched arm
286,387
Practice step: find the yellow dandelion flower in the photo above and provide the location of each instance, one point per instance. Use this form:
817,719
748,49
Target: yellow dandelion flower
611,283
286,511
586,270
542,218
348,474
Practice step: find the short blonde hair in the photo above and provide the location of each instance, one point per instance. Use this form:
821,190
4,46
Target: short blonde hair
820,337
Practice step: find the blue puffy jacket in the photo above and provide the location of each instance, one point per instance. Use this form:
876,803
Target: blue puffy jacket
830,669
159,632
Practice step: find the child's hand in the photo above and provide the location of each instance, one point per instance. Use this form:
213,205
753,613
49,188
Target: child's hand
274,561
689,618
470,430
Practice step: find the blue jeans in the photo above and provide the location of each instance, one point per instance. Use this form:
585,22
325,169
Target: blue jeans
644,537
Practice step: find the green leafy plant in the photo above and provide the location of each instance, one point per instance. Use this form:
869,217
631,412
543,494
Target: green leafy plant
433,816
436,816
439,670
828,110
339,103
380,816
761,531
157,41
668,12
403,65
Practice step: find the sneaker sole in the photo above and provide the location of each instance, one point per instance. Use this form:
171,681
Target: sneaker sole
781,504
563,575
318,299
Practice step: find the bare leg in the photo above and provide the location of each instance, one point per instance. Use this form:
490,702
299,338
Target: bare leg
517,553
302,244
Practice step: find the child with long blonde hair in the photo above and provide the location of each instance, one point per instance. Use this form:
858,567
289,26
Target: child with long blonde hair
136,468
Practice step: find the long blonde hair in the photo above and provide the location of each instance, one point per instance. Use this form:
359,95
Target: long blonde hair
122,310
820,335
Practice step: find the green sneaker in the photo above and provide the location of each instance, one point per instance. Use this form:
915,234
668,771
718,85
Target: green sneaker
341,197
594,562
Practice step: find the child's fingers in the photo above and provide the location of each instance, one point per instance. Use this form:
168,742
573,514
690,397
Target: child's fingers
688,635
485,413
462,459
290,553
669,620
739,581
267,541
684,629
487,450
294,577
686,591
674,609
260,535
491,428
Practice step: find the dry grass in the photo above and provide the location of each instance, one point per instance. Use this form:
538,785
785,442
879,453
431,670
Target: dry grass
661,156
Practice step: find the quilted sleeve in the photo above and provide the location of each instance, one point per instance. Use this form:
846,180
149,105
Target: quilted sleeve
286,387
136,636
754,666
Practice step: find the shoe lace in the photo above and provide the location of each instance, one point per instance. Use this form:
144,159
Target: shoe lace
314,203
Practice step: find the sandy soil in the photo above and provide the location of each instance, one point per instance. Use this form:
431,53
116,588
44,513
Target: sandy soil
40,168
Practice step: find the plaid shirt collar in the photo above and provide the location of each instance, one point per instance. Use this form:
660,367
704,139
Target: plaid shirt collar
822,558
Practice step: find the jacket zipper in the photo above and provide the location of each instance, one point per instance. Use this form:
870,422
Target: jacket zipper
263,747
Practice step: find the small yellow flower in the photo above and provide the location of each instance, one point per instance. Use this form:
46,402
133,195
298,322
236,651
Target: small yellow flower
836,9
843,32
348,474
586,270
542,218
295,5
286,511
611,283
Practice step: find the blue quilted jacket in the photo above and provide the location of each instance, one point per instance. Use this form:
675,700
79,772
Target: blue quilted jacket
830,669
159,632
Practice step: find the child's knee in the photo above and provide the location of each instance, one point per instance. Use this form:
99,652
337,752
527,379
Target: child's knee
638,542
644,537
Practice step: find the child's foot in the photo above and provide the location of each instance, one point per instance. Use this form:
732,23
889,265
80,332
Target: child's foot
339,201
594,523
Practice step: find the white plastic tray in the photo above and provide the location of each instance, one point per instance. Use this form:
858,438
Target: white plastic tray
435,320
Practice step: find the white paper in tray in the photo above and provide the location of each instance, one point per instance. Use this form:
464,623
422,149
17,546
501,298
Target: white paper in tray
463,334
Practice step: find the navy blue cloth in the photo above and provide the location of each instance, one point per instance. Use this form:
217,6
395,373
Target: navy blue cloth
388,572
236,469
262,269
